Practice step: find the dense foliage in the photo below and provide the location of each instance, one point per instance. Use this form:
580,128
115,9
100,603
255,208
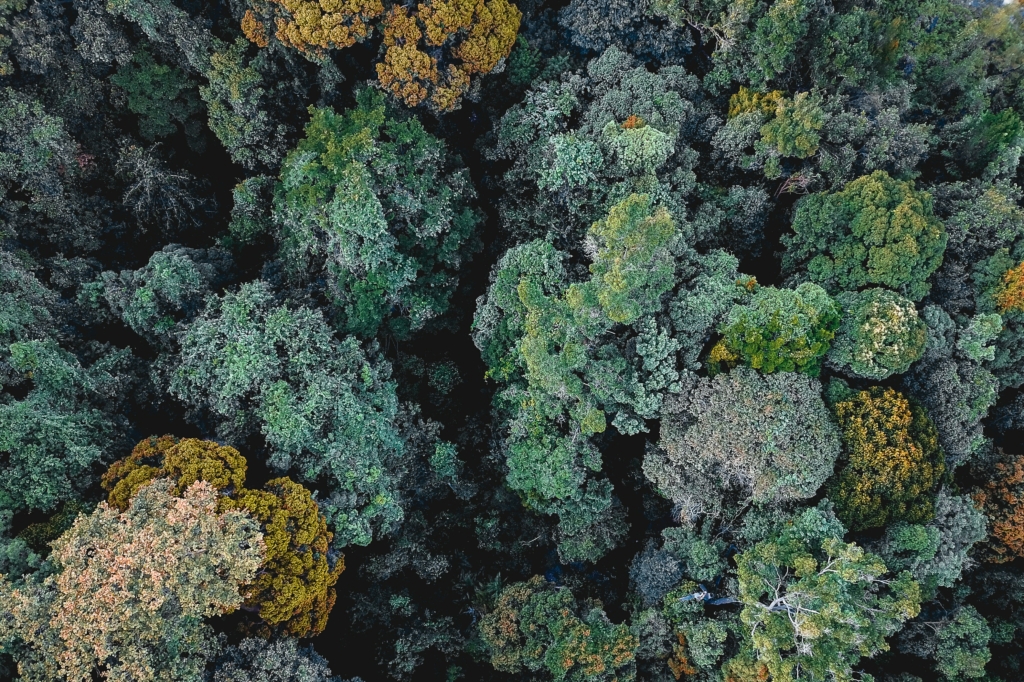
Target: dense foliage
589,340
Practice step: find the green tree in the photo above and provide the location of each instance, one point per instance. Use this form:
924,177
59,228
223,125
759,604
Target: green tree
325,407
742,437
813,605
160,95
881,334
54,437
377,204
785,330
129,591
537,627
875,231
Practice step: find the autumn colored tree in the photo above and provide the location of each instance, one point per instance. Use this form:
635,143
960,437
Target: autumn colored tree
129,590
430,52
293,593
892,463
539,628
474,36
875,231
1001,497
1010,293
294,590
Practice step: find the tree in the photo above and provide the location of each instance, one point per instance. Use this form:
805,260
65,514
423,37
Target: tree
161,95
375,203
881,334
54,437
875,231
535,626
794,129
579,144
744,436
1001,497
293,593
962,647
783,329
169,290
892,463
952,382
429,53
566,373
814,605
936,554
280,660
325,406
130,590
239,101
25,311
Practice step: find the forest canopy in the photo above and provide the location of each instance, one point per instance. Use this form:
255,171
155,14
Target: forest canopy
494,340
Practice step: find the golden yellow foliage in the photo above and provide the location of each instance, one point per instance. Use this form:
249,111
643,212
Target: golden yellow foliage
294,591
476,33
431,51
747,100
893,462
1010,294
317,25
183,461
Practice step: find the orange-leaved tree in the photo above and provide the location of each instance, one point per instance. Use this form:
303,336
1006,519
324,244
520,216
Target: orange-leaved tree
1001,497
430,52
1010,293
293,592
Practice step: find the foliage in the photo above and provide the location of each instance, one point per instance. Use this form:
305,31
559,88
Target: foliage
794,130
892,462
374,202
54,437
551,350
1010,296
160,95
881,334
744,435
952,382
238,102
324,406
168,290
281,660
814,605
875,231
783,329
936,554
293,593
1001,497
536,626
479,34
962,650
130,590
429,54
182,461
